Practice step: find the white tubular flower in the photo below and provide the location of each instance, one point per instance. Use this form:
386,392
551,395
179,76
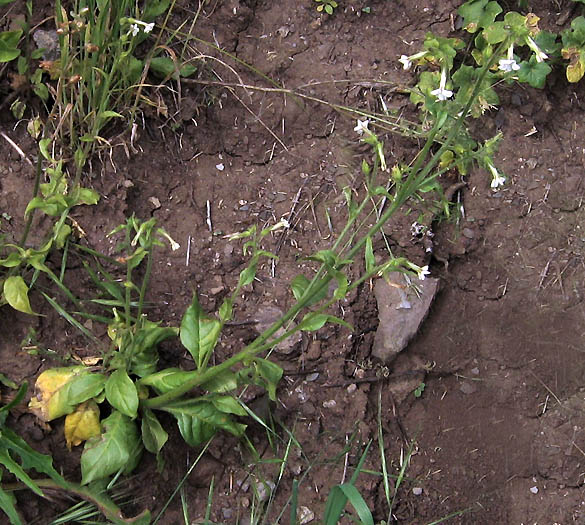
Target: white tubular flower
362,125
423,272
442,93
508,64
497,178
407,61
540,55
137,25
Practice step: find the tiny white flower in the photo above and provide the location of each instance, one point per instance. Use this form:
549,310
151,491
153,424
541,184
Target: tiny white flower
423,272
135,29
405,61
148,27
508,65
362,125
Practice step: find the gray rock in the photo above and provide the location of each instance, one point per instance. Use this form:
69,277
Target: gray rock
401,312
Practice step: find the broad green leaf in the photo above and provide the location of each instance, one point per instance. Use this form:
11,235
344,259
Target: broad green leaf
495,33
478,14
16,294
337,499
199,420
534,72
9,383
121,393
155,8
154,436
114,450
228,405
313,321
167,379
225,381
84,386
9,45
199,333
82,424
247,275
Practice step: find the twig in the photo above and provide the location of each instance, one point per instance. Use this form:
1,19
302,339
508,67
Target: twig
18,150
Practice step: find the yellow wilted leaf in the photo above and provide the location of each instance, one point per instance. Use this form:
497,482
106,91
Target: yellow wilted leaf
59,390
82,424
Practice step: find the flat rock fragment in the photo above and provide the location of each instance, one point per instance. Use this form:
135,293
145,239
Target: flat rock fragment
401,311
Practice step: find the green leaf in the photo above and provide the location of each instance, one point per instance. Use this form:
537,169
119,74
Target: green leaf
15,469
228,405
29,458
167,379
337,499
7,505
313,321
299,284
478,14
495,33
225,381
199,333
270,373
154,8
16,294
116,449
9,45
329,9
166,67
83,387
534,72
121,393
199,420
225,310
247,275
154,435
369,255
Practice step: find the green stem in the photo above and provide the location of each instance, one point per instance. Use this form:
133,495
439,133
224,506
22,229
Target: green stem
35,193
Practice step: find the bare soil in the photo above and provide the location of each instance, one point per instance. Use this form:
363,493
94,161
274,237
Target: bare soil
499,430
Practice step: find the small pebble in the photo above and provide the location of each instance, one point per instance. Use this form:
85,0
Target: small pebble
475,371
417,491
534,490
330,404
306,515
468,388
351,388
219,167
312,377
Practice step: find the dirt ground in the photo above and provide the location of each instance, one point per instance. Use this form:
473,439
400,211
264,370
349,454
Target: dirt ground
499,430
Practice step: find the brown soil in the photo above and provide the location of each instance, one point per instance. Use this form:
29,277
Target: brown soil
499,429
